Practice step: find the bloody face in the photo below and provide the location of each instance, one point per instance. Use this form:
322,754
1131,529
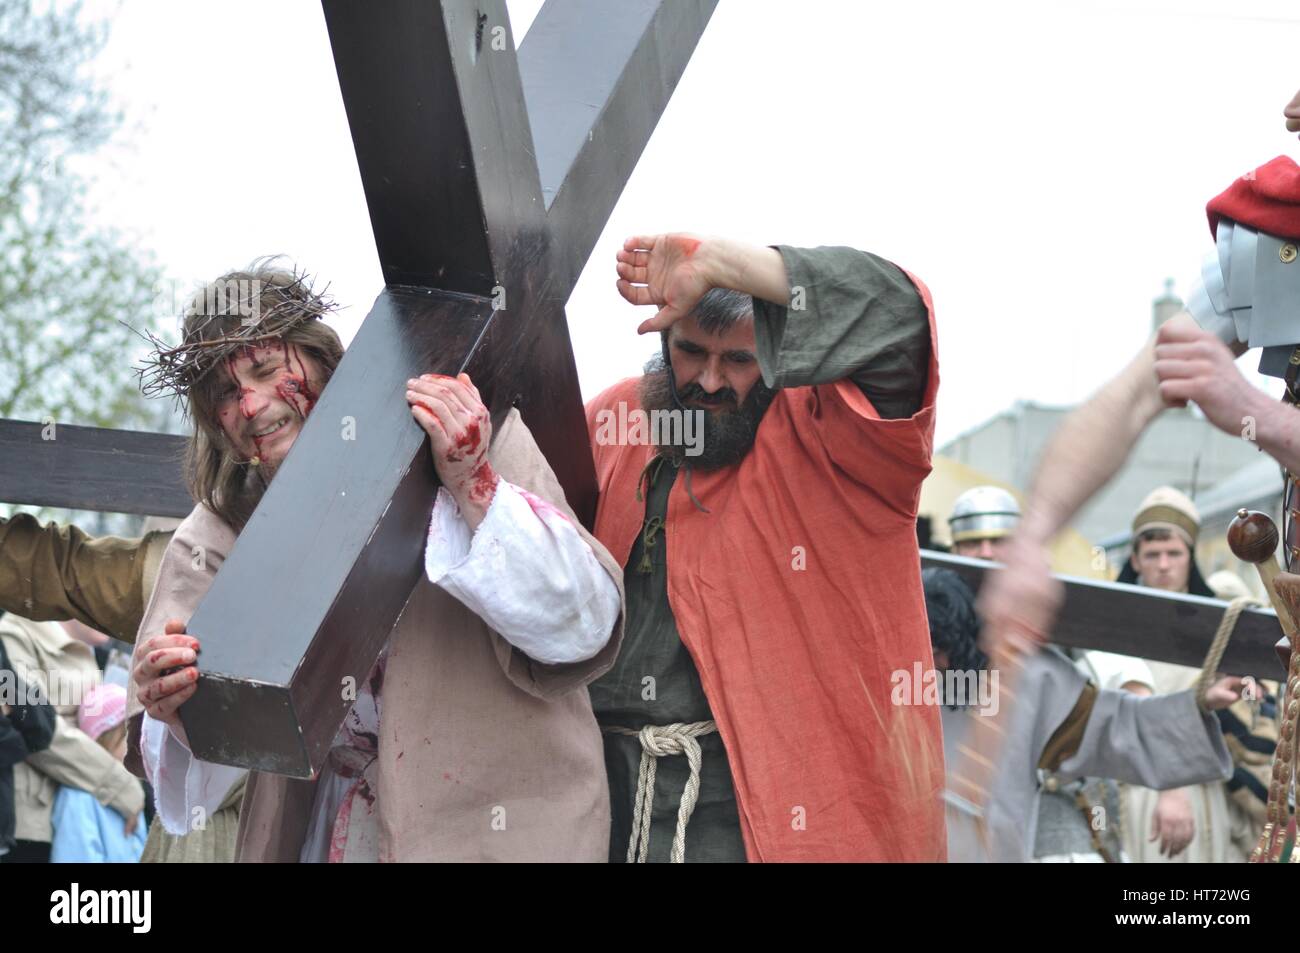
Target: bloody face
266,392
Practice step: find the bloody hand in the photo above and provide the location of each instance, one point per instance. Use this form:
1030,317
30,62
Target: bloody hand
460,432
166,675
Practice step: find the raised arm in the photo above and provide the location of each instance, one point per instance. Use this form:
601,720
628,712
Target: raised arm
675,270
820,314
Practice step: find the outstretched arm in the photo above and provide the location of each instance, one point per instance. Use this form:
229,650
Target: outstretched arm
1184,363
1087,451
1090,447
59,572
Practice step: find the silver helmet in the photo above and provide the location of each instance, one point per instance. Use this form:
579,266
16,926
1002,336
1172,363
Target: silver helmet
984,512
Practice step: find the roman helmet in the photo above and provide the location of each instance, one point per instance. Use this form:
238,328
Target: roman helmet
984,512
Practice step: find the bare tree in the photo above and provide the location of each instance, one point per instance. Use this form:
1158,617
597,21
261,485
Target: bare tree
66,286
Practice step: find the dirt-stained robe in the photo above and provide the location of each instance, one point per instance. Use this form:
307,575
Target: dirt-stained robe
484,754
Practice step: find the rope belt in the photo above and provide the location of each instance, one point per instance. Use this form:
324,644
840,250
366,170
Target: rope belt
660,741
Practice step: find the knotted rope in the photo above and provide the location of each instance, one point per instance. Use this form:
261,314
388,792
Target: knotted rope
661,741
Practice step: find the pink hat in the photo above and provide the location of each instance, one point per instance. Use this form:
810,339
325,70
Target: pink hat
102,709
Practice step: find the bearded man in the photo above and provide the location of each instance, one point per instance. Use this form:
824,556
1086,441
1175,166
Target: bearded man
772,572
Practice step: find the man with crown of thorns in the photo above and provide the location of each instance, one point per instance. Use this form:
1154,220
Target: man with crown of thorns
499,699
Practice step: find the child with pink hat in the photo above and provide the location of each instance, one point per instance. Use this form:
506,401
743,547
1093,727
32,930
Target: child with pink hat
86,831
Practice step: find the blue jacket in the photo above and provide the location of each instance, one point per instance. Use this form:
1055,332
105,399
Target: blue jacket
87,832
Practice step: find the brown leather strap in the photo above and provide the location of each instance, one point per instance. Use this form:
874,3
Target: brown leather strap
1068,736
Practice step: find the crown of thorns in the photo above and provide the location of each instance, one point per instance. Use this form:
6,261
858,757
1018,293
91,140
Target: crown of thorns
266,309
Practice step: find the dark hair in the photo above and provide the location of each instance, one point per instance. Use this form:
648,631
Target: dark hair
721,308
954,626
1155,535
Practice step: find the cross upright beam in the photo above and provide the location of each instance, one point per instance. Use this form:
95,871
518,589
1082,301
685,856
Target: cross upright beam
446,121
601,72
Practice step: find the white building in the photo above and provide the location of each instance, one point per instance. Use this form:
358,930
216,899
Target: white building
1180,449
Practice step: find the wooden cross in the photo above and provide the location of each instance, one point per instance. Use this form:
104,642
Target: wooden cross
482,225
489,176
1144,622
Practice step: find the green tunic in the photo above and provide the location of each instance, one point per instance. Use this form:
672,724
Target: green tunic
862,319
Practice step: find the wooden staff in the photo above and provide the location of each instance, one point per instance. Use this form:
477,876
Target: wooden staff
1253,538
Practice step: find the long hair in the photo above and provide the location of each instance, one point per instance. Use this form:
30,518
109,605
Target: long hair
214,475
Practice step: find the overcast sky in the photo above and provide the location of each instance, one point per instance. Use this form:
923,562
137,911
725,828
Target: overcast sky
1043,167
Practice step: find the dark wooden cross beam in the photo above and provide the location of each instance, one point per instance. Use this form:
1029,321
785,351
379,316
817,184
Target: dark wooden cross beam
482,223
1148,623
90,468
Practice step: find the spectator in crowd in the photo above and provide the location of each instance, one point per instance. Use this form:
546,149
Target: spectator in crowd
26,726
86,831
44,654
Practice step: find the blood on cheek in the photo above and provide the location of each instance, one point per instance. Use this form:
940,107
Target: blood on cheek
295,389
292,386
294,392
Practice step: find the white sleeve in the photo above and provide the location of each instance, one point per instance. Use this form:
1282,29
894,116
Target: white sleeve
185,789
526,572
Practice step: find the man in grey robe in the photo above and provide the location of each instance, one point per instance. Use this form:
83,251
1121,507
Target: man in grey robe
1064,726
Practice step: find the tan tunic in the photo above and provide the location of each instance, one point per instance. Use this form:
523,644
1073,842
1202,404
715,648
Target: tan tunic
484,754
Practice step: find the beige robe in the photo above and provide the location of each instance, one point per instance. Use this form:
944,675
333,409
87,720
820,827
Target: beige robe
484,754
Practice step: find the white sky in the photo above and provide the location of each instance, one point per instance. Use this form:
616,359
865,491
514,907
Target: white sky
1043,167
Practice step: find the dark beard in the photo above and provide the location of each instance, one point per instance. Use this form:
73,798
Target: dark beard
727,434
